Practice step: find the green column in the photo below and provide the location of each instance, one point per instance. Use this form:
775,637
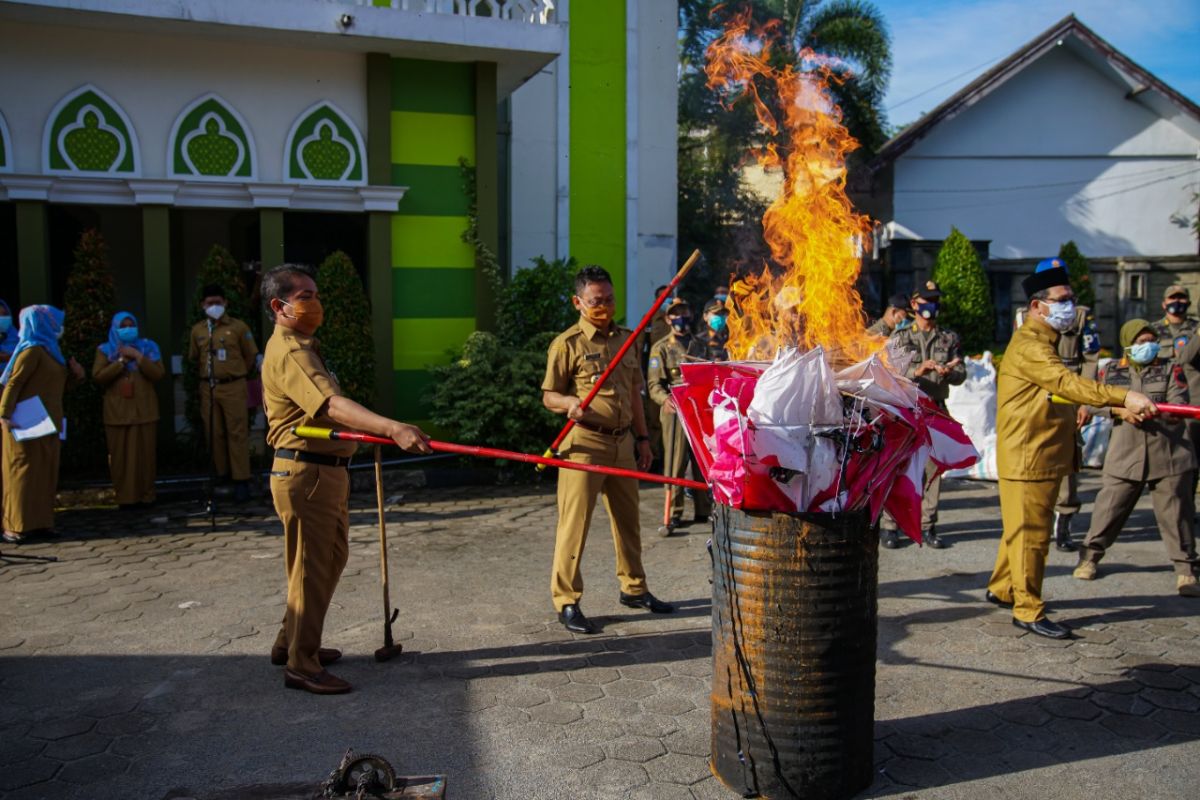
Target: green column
487,201
33,252
270,237
156,323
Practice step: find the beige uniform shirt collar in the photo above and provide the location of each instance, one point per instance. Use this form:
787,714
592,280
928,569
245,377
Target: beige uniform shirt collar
591,331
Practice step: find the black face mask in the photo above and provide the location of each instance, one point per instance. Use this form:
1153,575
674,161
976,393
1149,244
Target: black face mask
682,324
1178,308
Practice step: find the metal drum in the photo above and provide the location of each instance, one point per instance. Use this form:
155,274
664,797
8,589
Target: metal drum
794,629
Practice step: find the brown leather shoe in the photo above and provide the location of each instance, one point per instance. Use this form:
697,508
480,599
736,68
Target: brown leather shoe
323,682
326,655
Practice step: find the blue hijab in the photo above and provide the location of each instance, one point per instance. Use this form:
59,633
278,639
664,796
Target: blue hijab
112,347
8,341
40,326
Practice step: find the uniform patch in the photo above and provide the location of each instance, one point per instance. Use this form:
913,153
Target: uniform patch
1177,374
1180,342
591,357
654,362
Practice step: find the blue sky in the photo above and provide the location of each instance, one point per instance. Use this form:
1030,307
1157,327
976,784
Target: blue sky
935,40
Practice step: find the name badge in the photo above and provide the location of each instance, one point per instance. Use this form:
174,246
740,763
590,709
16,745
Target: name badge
591,357
221,354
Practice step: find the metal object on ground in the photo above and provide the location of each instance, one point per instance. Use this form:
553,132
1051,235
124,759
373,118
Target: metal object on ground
390,649
364,776
794,634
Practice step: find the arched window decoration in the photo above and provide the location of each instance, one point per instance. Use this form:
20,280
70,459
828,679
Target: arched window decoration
210,140
6,154
88,133
324,146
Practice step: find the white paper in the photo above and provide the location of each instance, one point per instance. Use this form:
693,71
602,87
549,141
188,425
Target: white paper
30,420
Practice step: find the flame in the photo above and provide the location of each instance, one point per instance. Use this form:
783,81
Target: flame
814,234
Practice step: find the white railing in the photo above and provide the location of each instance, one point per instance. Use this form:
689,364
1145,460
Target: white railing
538,12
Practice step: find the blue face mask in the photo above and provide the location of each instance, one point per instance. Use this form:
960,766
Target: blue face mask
927,310
720,297
682,324
1178,307
904,324
1142,353
717,322
5,323
127,334
1061,316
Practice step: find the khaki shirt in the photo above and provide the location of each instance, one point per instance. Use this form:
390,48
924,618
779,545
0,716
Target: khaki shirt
1036,438
296,387
665,357
35,372
129,396
708,346
1158,447
577,358
939,345
1182,341
231,339
880,328
1073,348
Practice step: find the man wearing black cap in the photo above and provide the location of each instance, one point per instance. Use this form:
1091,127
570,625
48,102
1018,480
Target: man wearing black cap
1037,445
894,316
936,364
1176,333
666,357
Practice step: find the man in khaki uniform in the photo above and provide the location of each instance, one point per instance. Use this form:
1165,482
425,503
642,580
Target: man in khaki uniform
665,357
659,327
1079,349
1155,454
1037,445
894,316
936,364
227,344
309,481
601,435
1177,335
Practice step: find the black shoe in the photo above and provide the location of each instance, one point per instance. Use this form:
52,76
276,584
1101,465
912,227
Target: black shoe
930,538
241,491
890,540
1044,627
994,600
700,519
573,619
1062,533
646,601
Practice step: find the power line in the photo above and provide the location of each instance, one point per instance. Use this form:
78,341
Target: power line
936,86
1080,182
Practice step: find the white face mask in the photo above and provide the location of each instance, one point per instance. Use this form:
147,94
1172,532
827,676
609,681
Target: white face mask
215,312
1061,316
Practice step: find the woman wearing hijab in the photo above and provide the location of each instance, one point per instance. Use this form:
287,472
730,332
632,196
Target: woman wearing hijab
127,367
1155,453
30,467
8,334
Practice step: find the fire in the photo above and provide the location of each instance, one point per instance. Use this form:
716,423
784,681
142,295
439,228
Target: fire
814,234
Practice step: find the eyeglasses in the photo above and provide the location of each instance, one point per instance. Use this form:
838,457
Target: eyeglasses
598,301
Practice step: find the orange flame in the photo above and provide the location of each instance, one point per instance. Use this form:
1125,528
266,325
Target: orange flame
813,232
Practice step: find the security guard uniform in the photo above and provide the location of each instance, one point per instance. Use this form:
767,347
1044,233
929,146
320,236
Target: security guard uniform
665,359
310,486
1181,339
1157,453
233,352
1079,349
576,359
659,327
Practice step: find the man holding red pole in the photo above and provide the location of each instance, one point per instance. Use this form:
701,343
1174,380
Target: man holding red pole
605,433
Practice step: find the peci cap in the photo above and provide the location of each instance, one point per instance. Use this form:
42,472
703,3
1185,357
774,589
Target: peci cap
929,291
678,304
1049,273
1175,289
898,300
717,306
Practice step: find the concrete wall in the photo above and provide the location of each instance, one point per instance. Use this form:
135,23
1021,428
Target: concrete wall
1055,154
153,77
534,174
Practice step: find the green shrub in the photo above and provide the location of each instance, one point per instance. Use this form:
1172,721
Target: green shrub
219,267
346,341
89,305
536,300
966,304
1081,275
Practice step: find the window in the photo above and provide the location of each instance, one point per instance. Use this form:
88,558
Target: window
1137,286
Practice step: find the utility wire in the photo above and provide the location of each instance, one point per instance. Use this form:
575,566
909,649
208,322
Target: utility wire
936,86
1080,182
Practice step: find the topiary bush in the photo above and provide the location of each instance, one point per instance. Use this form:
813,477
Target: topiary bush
89,305
219,267
346,341
536,300
1081,274
966,304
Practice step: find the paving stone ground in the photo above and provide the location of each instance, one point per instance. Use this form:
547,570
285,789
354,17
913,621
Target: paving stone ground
137,666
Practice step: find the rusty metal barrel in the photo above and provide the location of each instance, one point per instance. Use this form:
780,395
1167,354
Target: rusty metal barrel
794,609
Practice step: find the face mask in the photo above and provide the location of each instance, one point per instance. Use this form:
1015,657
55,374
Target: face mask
1061,316
215,312
904,324
127,334
5,323
927,310
1178,308
682,324
720,297
599,316
1142,353
717,322
309,314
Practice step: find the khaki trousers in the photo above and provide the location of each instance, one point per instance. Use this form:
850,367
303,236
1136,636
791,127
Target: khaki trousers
929,502
577,500
230,445
1068,495
312,503
677,458
131,461
1027,513
30,482
1174,507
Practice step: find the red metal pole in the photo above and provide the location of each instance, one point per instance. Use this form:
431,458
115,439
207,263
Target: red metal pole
552,450
1178,410
491,452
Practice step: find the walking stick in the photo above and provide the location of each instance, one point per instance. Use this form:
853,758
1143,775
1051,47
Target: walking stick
390,648
552,450
309,432
668,467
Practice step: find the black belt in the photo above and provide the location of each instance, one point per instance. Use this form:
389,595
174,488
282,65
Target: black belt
312,458
226,380
603,430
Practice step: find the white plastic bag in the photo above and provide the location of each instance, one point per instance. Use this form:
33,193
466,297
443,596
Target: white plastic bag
973,405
